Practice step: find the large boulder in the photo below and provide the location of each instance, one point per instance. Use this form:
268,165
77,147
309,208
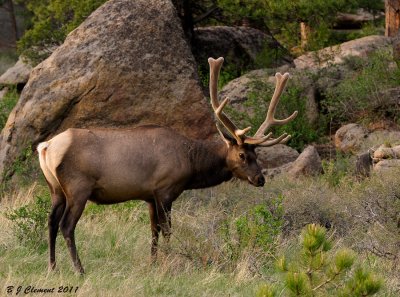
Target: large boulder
127,64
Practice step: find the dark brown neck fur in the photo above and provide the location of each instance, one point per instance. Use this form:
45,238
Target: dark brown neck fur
208,160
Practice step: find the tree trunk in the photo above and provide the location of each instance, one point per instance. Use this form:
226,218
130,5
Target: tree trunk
392,15
9,7
305,31
183,7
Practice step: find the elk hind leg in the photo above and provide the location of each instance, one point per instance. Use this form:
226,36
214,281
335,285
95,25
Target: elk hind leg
76,202
57,209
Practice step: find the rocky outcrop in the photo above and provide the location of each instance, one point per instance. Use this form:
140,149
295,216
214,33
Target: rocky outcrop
240,46
127,64
349,138
17,74
337,54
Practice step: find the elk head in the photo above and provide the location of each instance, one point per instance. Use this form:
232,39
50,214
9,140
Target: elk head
241,156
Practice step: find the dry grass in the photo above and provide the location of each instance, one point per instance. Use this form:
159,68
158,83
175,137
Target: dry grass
114,241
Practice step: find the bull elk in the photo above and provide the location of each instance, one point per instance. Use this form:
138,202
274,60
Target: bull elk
150,163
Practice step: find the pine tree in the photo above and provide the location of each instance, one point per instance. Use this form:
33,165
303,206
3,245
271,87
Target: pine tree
318,271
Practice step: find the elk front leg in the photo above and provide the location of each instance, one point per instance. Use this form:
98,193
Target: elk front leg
164,218
155,229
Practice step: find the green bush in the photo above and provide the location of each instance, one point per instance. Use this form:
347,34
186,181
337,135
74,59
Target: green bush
29,222
362,96
316,270
335,171
51,22
258,228
22,171
7,104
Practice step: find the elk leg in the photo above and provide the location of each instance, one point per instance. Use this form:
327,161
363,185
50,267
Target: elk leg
155,229
166,227
57,210
163,207
68,223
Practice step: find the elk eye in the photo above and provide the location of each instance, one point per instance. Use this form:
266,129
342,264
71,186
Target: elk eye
242,156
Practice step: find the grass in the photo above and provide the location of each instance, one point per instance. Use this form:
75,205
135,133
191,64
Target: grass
114,241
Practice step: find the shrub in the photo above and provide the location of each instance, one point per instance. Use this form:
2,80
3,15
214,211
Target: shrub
7,104
21,172
315,270
51,22
335,171
29,222
259,229
362,96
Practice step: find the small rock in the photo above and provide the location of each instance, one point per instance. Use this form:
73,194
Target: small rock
349,138
384,152
308,163
272,172
17,74
387,164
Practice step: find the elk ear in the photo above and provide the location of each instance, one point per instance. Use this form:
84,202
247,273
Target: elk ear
227,138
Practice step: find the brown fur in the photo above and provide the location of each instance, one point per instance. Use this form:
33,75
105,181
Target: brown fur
150,163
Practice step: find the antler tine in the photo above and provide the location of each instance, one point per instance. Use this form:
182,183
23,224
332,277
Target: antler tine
215,67
281,139
270,119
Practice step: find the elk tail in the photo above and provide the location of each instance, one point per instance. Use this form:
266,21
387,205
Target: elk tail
50,177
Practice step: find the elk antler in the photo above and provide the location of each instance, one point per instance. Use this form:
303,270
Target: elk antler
215,67
270,119
239,134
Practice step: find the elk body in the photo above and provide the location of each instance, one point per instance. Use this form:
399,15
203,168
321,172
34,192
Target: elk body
150,163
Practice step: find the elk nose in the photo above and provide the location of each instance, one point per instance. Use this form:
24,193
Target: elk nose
260,180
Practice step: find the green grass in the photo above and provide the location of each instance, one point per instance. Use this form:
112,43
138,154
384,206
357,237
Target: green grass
7,103
114,241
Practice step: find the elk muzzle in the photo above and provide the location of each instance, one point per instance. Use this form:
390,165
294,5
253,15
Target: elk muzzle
257,180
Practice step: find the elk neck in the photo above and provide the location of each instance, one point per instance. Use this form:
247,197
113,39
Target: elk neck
208,161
